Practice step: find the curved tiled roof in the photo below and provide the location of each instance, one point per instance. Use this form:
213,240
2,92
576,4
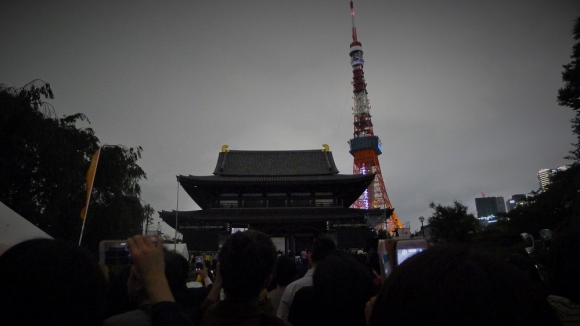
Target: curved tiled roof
275,172
203,188
275,163
284,179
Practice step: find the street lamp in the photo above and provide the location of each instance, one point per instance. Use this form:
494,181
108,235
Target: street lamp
422,219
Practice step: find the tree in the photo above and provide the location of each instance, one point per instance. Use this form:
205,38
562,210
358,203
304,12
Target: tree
569,95
43,165
149,211
452,223
547,209
116,210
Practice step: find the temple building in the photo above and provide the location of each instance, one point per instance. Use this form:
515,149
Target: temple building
291,195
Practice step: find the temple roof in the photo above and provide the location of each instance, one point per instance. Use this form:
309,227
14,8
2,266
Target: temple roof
269,215
203,188
275,172
275,163
275,180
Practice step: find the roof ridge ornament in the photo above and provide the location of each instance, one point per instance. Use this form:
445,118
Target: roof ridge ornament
225,148
326,148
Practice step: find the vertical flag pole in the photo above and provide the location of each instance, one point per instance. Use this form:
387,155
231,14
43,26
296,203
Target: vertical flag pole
176,214
90,179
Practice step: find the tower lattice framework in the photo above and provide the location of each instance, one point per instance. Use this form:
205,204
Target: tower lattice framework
365,146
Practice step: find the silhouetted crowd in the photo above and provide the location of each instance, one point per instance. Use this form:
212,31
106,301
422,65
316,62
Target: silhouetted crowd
45,281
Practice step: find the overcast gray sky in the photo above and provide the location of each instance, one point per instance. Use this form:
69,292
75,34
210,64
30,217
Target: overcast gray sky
463,93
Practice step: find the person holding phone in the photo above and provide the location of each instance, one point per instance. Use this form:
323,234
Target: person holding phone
148,259
176,268
198,262
203,273
459,285
246,262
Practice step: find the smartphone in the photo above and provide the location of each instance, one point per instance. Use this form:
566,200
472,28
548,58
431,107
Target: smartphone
198,262
409,247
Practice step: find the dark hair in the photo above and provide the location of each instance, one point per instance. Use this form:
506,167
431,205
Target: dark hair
322,247
341,288
246,260
460,285
176,272
45,281
564,261
285,270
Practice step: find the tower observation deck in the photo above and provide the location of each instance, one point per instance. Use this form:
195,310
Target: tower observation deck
365,146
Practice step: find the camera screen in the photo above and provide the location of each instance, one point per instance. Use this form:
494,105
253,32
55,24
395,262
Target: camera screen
403,254
117,255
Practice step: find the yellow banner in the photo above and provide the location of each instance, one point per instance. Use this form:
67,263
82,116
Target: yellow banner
90,179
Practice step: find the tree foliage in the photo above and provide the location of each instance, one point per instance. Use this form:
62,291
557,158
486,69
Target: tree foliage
452,223
43,166
561,200
549,208
569,95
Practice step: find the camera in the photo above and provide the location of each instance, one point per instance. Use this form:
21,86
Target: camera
393,252
408,248
114,252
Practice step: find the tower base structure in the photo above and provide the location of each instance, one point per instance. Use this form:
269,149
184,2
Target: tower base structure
365,151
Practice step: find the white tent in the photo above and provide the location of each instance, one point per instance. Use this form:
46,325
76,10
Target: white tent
15,228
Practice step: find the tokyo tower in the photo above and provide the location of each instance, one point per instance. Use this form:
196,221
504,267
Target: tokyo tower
365,146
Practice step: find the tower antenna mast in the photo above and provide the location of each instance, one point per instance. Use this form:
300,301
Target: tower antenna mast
365,146
353,25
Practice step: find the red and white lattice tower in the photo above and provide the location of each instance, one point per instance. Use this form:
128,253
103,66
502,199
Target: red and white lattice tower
365,146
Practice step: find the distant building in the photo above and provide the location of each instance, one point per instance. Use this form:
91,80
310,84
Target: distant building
545,176
488,207
514,201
